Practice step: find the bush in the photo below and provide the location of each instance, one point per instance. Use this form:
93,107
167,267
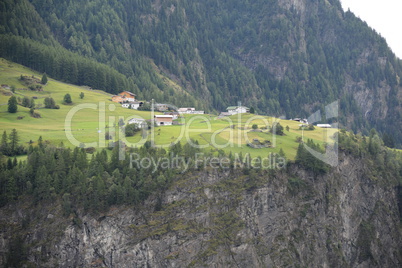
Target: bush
50,103
277,129
34,114
67,99
131,129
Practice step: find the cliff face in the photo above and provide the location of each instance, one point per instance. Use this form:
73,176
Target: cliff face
347,218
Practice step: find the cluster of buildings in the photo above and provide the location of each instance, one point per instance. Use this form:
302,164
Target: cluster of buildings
160,120
127,100
189,111
304,123
232,110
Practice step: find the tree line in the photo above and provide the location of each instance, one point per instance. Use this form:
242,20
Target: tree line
101,180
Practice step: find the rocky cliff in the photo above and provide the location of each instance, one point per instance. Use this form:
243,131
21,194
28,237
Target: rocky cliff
291,218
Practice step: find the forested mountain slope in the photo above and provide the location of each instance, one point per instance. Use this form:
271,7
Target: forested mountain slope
283,57
61,210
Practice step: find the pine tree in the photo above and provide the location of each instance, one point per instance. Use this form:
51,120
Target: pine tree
42,185
14,139
44,79
12,105
4,147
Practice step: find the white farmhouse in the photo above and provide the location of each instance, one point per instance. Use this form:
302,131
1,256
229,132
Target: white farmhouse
139,121
132,105
324,125
186,110
237,110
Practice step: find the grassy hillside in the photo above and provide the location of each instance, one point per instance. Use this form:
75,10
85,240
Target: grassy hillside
96,114
51,125
271,55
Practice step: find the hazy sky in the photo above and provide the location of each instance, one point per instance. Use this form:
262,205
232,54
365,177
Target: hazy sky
382,15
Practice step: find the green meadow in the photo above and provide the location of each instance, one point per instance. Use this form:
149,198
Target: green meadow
86,121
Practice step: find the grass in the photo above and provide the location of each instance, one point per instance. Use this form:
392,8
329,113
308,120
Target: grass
90,117
85,122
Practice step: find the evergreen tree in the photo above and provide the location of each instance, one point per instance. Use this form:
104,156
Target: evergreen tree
32,105
4,147
12,105
26,102
67,99
82,95
50,103
277,129
13,144
42,184
44,79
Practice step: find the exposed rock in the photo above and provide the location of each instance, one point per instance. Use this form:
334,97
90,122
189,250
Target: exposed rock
347,218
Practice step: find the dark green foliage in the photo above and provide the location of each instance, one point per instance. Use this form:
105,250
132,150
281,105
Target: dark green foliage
131,129
375,142
308,161
34,114
12,105
13,142
44,79
67,99
4,148
252,110
17,252
26,102
57,173
10,144
145,107
277,129
366,235
255,126
296,185
82,95
50,103
388,140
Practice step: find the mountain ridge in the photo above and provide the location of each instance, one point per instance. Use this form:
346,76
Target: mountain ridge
281,57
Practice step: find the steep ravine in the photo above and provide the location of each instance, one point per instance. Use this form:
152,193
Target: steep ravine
346,218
